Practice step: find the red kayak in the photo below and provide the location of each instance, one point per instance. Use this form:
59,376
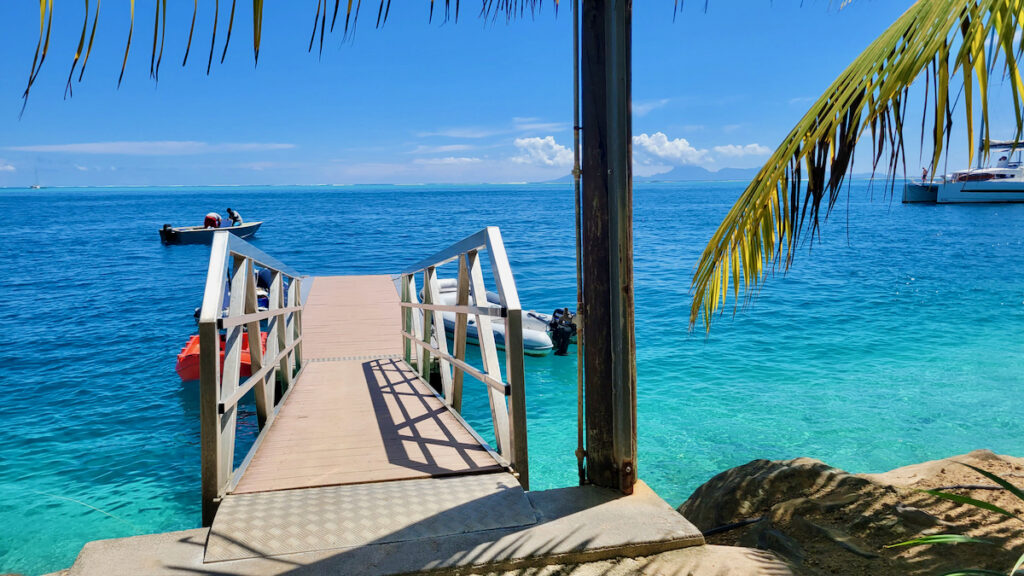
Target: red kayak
188,358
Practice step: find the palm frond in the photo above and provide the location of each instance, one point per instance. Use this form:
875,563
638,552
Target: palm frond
944,40
45,25
78,51
231,25
511,8
940,539
191,30
128,45
92,36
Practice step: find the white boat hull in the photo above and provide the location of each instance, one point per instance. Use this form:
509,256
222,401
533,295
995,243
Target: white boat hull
980,191
536,341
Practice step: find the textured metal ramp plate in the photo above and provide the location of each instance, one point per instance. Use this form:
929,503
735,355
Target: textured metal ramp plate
291,521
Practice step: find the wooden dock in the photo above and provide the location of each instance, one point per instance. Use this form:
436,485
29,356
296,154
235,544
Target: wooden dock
359,413
355,446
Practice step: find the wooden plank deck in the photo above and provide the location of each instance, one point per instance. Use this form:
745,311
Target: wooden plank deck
359,413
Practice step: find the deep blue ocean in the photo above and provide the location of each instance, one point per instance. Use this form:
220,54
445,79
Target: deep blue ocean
895,338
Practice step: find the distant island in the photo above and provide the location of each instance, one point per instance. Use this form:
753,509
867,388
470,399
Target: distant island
690,174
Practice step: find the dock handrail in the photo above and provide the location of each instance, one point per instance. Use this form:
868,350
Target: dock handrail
232,264
423,334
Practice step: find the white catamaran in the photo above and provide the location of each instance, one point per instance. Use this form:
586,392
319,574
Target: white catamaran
1003,182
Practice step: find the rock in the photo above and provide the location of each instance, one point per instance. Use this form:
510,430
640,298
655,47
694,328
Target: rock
827,521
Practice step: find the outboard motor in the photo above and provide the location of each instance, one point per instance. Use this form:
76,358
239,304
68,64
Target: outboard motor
167,234
562,329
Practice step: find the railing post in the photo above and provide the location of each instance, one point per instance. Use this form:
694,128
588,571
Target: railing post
296,300
506,285
282,328
461,320
209,379
489,354
433,289
231,372
407,347
264,406
518,455
428,324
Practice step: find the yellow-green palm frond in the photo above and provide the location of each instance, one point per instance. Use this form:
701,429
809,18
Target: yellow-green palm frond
488,8
944,40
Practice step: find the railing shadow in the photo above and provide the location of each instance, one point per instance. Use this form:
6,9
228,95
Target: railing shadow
405,408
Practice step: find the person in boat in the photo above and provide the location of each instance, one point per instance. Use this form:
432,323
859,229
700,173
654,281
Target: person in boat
924,174
236,218
212,220
1003,162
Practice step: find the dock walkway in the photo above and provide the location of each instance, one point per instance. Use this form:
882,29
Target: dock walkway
359,413
358,420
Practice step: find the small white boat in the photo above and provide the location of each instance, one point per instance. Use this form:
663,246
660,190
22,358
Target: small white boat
1003,182
536,341
203,235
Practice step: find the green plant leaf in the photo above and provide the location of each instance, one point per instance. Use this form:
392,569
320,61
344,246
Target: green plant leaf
191,29
972,502
128,45
92,36
998,480
975,572
940,539
213,37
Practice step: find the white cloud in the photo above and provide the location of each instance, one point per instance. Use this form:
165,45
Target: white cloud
81,168
449,161
536,125
154,148
735,151
544,151
5,167
423,149
644,107
676,151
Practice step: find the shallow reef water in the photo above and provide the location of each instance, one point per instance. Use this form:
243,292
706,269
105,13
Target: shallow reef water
895,338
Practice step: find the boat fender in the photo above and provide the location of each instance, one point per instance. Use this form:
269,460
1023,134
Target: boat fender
562,329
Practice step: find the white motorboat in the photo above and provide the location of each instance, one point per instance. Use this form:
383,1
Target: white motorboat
536,341
204,235
1003,182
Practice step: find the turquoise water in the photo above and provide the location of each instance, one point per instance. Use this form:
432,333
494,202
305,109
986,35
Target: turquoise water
896,340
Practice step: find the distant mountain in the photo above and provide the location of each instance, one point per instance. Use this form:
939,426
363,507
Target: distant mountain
698,174
685,173
689,173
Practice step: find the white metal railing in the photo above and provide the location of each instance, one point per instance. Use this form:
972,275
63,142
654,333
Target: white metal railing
424,337
233,264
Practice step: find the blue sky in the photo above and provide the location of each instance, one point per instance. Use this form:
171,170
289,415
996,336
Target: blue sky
413,102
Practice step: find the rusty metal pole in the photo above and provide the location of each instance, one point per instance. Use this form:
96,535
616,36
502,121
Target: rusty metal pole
607,244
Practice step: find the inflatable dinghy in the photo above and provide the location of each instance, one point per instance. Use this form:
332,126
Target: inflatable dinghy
536,341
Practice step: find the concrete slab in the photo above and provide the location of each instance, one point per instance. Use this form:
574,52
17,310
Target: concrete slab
291,521
575,525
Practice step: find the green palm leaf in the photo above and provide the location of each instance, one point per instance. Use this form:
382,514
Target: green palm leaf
489,7
940,539
801,182
976,572
998,480
972,502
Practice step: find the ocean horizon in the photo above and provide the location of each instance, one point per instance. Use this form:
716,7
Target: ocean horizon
894,339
